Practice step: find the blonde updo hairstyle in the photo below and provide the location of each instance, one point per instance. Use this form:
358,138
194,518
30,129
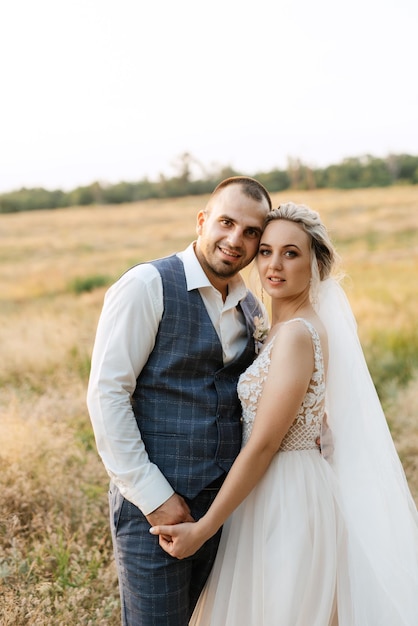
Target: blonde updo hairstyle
323,255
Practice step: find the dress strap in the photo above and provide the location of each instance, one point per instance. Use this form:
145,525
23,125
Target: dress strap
310,326
319,358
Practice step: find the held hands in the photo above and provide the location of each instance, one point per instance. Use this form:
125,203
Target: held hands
172,521
180,540
172,511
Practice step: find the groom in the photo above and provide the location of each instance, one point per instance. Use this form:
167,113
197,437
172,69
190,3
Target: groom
172,339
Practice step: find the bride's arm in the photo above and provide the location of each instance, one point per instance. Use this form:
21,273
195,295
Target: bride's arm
290,372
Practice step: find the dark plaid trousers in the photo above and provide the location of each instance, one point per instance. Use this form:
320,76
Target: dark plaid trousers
155,588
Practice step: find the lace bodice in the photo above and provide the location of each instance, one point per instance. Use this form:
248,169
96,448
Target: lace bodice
307,425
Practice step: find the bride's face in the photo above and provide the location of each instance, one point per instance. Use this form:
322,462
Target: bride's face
284,259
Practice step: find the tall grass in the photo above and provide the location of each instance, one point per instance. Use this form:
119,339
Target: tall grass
56,564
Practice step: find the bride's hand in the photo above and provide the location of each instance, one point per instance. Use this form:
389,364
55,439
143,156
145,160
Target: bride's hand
179,540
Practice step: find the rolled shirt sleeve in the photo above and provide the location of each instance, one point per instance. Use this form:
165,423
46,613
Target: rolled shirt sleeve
125,337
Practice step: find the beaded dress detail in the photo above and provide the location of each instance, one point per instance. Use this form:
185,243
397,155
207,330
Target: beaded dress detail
307,425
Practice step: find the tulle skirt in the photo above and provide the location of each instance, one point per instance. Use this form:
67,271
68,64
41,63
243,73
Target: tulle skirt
277,560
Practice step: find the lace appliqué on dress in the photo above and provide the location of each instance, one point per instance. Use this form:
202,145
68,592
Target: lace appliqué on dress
307,425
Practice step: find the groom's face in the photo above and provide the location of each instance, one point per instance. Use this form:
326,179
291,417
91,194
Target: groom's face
229,232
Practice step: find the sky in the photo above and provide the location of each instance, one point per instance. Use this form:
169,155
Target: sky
100,90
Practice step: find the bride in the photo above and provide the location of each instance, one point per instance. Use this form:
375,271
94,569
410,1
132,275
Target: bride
309,539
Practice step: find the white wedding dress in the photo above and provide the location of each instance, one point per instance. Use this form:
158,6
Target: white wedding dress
277,560
339,528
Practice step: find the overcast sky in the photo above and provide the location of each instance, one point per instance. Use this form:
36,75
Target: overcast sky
116,90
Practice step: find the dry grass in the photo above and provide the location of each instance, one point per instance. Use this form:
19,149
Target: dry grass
56,564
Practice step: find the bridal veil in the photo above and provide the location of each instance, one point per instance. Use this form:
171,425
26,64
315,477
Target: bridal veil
378,579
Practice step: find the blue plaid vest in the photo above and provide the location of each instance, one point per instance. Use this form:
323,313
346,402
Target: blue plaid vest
185,402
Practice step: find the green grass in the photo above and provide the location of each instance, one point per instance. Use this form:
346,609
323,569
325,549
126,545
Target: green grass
89,283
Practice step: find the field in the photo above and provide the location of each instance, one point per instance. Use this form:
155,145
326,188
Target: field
55,550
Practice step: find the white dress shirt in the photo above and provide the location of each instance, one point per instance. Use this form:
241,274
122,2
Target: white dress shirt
125,337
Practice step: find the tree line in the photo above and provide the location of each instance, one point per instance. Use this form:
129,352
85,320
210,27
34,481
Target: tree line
353,172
